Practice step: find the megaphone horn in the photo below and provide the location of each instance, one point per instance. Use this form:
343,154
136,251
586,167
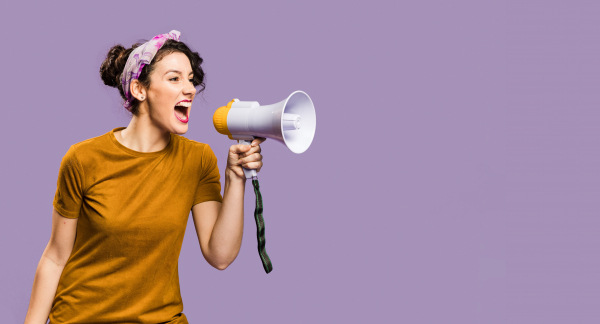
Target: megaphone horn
291,122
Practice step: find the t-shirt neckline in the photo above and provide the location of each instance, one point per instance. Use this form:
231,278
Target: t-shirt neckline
138,153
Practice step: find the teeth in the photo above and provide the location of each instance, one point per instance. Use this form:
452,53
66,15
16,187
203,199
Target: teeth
185,104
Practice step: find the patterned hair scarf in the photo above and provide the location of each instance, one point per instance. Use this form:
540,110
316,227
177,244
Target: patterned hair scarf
139,57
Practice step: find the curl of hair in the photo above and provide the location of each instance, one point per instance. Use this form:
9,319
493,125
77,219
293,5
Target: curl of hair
114,64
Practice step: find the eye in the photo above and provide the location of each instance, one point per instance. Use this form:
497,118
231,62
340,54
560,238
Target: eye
177,78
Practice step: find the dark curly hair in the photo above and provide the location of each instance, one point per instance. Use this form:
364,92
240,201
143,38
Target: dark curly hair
112,67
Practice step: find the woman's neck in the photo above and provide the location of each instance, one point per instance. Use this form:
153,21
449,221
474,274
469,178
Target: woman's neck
143,136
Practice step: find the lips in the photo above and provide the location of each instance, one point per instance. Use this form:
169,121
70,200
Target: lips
181,116
182,109
184,100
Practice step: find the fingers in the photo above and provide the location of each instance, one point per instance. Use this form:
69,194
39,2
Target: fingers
248,149
256,157
239,148
253,161
253,165
249,155
257,141
254,149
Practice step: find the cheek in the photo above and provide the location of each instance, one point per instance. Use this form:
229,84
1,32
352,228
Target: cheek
164,102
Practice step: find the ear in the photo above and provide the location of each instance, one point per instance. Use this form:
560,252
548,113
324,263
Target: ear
137,90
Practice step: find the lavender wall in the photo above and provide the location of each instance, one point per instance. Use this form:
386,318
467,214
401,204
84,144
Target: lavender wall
453,177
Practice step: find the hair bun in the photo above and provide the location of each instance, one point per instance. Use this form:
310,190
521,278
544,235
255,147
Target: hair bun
113,65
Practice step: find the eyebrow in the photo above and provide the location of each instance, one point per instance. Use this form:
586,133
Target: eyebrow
176,71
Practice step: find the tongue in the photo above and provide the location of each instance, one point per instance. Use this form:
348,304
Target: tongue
180,112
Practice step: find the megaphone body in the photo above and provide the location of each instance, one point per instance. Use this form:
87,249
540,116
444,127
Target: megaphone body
291,122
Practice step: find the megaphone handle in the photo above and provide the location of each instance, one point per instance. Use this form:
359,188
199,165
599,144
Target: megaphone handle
250,173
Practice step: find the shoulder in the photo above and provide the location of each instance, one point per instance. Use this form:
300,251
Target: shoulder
86,151
198,151
187,141
82,145
90,144
191,145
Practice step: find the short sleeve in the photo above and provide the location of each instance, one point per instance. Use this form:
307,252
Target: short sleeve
209,185
69,187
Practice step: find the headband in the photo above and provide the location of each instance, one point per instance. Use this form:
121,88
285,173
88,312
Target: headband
139,57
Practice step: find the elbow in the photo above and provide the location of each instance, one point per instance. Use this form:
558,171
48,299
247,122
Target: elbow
221,263
218,265
222,266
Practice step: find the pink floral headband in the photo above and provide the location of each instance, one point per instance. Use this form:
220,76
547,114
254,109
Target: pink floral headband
139,57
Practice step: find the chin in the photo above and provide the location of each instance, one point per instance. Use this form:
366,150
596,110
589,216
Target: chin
180,129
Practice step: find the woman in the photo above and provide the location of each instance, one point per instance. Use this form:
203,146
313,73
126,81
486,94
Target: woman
123,199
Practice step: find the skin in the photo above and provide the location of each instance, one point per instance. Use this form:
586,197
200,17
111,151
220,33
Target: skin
219,226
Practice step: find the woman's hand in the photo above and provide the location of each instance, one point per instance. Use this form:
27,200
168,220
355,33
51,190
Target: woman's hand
247,156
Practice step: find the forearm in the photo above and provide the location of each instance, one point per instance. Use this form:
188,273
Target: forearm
226,237
45,282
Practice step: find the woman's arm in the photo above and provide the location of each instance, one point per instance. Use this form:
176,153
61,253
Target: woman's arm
220,226
50,268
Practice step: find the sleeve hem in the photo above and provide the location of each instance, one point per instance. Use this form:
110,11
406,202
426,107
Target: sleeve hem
219,199
65,213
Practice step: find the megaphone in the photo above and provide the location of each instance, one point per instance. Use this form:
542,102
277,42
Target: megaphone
291,122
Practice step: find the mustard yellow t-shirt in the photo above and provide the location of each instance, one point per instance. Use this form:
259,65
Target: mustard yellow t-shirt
132,209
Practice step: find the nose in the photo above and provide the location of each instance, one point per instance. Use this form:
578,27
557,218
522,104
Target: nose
189,88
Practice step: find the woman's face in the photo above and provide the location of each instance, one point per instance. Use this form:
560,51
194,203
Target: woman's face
171,93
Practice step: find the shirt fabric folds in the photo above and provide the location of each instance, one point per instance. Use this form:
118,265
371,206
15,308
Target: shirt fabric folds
132,209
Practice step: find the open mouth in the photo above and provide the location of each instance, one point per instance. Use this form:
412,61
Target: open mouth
182,110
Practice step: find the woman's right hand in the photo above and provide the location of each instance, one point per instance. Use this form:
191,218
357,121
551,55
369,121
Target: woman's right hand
247,156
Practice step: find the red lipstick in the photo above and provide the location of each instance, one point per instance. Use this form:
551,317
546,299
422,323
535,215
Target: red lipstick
184,109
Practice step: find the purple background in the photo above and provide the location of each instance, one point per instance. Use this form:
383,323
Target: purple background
453,177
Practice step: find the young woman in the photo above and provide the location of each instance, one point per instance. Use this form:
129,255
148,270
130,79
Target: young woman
123,199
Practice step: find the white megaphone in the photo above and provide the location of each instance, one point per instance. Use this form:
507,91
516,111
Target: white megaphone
291,122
